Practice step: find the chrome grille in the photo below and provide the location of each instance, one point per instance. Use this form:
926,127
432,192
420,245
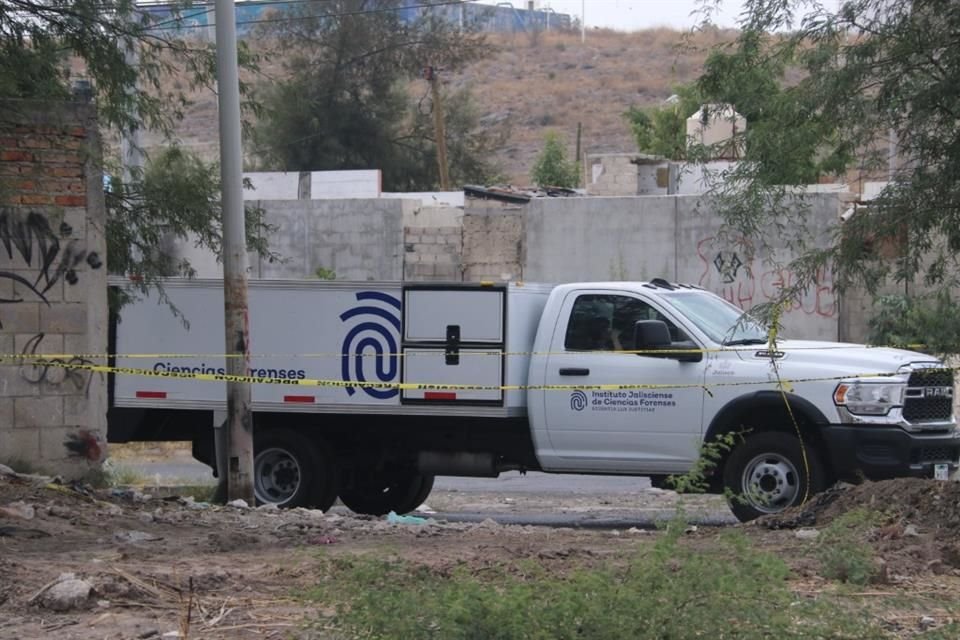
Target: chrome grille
929,396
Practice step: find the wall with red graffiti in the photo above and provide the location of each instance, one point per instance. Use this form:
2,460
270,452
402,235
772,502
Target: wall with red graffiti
679,238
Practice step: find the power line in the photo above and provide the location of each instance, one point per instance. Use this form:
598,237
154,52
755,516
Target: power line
310,17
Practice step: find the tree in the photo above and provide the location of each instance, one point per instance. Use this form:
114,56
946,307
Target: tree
552,169
755,86
176,197
471,143
873,74
662,130
40,40
345,101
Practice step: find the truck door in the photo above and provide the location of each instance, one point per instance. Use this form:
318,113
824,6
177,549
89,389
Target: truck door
453,334
656,429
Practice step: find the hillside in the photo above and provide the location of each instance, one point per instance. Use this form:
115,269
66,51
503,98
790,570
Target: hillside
546,81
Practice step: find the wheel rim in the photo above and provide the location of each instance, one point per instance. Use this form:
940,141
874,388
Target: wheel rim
276,476
770,482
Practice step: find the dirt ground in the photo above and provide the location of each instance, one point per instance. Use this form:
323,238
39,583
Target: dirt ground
145,562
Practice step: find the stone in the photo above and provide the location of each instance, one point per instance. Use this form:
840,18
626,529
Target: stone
134,537
18,509
806,534
67,594
239,503
60,512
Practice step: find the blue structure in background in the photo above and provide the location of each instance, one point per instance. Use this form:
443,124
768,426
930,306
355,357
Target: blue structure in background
198,20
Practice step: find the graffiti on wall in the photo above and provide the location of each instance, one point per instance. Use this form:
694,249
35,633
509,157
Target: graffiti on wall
39,256
54,372
738,277
84,444
49,256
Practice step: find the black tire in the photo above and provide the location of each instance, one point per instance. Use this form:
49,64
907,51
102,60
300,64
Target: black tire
380,493
287,468
766,474
325,484
416,498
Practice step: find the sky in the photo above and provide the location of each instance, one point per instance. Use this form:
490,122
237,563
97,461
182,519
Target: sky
629,15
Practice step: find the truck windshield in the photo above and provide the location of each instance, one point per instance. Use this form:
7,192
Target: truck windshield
720,320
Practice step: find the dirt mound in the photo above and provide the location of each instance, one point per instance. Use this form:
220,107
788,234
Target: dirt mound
932,504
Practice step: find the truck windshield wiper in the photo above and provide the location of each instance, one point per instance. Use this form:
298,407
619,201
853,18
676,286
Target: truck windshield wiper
743,341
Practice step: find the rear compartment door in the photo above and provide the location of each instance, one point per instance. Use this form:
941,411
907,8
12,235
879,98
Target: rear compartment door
454,335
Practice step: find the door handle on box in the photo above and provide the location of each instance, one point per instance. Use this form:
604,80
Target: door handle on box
574,372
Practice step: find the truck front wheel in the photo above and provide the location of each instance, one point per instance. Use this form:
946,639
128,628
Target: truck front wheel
290,470
768,473
383,492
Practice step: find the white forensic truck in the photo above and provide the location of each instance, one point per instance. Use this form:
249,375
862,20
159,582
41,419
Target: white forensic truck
617,378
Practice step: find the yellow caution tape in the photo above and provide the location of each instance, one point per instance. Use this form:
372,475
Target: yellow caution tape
434,350
408,386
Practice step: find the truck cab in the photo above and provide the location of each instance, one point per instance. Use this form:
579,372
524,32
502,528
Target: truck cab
649,372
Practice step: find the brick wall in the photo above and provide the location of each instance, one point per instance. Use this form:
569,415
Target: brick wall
52,286
493,241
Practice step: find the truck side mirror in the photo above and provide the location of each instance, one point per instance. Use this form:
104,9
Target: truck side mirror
651,335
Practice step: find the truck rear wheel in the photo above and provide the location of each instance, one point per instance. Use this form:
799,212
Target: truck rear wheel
290,470
767,473
383,492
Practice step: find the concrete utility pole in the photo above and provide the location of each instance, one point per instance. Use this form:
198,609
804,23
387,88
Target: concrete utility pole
239,431
440,128
583,21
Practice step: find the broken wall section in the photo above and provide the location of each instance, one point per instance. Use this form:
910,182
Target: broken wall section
53,287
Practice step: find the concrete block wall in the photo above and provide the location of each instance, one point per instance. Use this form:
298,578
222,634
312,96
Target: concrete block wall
493,241
611,175
53,293
578,239
677,238
433,253
433,243
357,239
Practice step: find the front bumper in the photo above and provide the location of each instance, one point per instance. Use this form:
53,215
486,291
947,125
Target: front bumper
877,452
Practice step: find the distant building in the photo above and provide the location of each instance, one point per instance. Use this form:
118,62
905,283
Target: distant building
720,128
198,19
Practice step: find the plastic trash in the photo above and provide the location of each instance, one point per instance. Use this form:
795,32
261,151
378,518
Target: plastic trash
393,518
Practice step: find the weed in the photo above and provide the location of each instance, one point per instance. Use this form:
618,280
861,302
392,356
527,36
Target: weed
323,273
698,478
98,478
200,493
120,475
668,591
843,551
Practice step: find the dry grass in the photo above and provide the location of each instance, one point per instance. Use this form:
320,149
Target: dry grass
150,450
543,82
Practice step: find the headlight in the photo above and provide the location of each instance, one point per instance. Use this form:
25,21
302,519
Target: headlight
867,398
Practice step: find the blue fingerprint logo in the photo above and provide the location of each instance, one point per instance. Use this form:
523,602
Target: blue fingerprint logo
578,400
371,344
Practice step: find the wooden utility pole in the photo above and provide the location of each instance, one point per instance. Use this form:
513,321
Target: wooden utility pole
580,162
239,427
439,127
